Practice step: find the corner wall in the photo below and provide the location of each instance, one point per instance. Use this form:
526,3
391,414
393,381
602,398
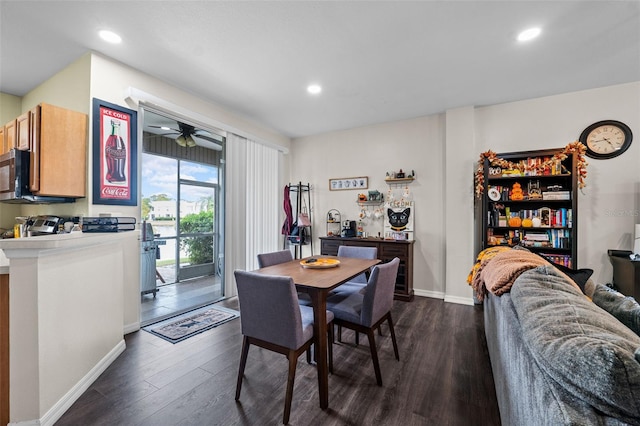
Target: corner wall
445,162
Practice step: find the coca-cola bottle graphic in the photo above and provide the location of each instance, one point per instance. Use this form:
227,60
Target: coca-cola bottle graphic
116,154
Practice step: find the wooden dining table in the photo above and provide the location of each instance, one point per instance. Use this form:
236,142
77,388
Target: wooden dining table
318,282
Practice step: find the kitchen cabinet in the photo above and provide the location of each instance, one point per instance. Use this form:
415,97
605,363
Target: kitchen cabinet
10,135
57,141
22,132
387,251
3,142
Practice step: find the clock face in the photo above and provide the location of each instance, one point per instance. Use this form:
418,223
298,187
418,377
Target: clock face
606,139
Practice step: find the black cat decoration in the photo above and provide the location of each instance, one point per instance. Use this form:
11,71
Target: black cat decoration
398,221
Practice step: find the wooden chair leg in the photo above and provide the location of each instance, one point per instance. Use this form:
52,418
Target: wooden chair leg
293,361
309,354
340,333
243,363
357,338
393,336
330,345
374,356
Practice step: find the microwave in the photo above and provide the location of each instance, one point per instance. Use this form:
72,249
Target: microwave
14,181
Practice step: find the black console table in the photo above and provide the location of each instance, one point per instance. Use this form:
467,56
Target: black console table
626,273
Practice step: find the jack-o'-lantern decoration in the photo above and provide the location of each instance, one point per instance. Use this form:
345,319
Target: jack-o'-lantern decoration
516,192
527,223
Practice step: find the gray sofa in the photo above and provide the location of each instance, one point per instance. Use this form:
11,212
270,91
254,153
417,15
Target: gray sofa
558,358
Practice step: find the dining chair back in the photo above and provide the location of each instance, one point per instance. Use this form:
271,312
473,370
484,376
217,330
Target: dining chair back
360,253
364,313
274,258
272,318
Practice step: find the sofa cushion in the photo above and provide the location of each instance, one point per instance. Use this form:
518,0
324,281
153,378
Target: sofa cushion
578,276
625,309
579,345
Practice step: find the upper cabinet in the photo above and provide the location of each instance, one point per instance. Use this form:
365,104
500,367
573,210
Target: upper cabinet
58,145
56,139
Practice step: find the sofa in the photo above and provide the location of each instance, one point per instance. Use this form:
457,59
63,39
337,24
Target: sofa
558,357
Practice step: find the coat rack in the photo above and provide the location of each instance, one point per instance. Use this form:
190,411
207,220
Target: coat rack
296,235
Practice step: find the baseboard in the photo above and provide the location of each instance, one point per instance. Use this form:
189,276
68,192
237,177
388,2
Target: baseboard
131,328
459,300
59,408
428,293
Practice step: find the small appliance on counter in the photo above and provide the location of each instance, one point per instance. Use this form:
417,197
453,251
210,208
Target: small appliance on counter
348,229
44,225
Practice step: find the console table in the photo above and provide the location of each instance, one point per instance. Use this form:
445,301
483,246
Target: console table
387,251
626,273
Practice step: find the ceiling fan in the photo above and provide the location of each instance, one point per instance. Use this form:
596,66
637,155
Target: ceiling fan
187,135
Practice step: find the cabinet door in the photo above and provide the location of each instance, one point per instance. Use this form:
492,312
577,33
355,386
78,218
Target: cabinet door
3,142
10,135
329,247
34,147
22,132
63,150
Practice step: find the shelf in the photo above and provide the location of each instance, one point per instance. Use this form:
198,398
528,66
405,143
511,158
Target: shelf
370,203
494,178
396,181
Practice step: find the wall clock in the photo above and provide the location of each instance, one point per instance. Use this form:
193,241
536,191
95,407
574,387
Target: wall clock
606,139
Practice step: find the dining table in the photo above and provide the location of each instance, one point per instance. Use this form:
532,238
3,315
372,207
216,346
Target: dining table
318,281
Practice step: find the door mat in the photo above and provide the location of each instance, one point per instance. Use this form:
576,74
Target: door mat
189,324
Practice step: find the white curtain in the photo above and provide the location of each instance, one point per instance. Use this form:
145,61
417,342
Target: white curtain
252,204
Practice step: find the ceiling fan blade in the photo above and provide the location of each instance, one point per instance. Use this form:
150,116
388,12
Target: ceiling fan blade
207,138
165,128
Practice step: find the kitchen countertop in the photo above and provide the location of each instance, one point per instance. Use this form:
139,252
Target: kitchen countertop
18,247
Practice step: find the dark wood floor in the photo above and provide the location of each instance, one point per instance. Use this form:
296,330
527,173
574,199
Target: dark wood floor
443,378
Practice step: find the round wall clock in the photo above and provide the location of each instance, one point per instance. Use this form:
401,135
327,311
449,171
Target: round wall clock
606,139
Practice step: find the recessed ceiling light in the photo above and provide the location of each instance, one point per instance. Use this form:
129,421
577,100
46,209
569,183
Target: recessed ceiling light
110,36
314,89
165,128
529,34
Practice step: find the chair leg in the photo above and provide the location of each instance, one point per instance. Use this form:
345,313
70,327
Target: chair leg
393,336
293,361
243,363
357,338
374,356
339,333
330,345
309,354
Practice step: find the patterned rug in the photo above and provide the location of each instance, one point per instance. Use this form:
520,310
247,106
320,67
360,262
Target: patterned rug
189,324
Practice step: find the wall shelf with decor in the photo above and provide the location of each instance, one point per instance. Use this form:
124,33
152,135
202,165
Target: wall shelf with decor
334,223
529,198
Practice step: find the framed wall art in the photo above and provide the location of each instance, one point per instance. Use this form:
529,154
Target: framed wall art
115,131
348,183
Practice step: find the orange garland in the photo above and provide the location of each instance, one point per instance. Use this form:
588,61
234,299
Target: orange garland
574,147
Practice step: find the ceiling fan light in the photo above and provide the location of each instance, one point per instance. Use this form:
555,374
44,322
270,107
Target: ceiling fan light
180,140
190,142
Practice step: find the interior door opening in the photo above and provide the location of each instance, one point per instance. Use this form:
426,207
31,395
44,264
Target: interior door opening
182,180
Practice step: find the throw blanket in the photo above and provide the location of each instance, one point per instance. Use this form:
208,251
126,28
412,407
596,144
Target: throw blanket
498,272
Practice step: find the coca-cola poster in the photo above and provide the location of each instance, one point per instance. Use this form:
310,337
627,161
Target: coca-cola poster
114,154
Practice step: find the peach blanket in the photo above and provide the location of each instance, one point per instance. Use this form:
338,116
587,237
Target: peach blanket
498,272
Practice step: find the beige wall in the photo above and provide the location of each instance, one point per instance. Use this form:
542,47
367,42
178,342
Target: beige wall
443,150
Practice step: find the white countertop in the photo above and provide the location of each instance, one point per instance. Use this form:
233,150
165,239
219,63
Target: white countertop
19,247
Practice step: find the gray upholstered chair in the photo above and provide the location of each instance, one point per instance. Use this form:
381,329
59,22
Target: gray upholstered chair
273,258
360,282
365,311
360,253
271,318
282,256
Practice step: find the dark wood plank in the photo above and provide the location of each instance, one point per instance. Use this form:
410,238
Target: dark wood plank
443,377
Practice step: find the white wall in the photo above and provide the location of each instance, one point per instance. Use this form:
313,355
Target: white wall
444,162
609,205
416,144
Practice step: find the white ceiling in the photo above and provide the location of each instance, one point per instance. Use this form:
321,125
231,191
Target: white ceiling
377,61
